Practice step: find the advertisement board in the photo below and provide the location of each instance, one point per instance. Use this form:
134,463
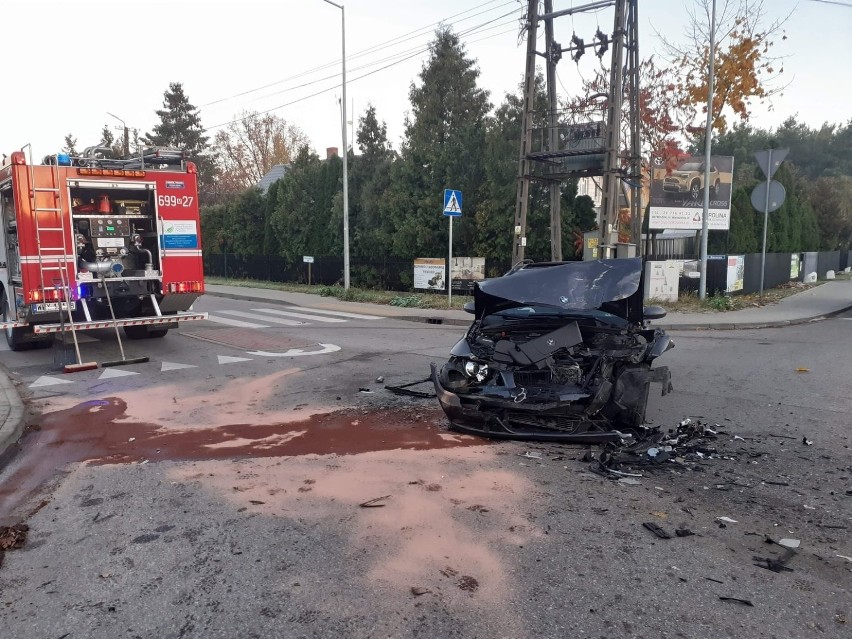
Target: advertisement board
464,271
429,273
677,195
735,273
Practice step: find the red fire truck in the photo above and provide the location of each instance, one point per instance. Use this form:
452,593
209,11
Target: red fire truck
91,242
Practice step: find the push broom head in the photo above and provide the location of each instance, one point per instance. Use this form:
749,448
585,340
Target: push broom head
125,362
76,368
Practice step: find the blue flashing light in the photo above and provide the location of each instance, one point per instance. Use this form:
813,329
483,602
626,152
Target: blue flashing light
63,159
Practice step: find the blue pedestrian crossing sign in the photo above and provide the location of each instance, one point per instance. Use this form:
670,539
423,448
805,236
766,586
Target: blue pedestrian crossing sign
452,203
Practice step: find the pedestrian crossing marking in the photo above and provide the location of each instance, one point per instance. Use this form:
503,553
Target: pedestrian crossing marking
173,366
336,313
234,322
274,320
115,372
46,380
299,315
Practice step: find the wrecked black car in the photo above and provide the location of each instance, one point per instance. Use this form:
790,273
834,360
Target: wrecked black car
558,351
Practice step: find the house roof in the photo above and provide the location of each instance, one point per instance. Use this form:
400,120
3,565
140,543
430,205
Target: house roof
272,176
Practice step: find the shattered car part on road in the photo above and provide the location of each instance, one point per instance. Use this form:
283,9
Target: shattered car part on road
558,351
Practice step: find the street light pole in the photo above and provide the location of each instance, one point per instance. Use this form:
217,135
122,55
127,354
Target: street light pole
126,134
708,140
345,153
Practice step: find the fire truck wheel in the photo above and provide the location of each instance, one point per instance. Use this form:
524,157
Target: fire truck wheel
14,336
143,332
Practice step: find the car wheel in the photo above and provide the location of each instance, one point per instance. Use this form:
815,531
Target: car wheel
158,332
14,336
695,189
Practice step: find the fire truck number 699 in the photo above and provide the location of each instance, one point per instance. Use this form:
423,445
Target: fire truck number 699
175,200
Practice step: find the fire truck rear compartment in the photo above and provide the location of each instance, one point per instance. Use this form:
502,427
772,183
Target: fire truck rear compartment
118,226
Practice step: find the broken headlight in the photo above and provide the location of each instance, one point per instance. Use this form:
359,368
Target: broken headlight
478,372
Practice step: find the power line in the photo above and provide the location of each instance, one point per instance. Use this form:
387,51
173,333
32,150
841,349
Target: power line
840,4
337,86
373,49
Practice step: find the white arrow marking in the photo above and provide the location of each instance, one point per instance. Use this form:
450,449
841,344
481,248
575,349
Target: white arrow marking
296,352
114,372
227,359
44,380
171,366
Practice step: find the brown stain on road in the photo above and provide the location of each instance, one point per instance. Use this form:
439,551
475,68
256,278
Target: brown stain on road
94,431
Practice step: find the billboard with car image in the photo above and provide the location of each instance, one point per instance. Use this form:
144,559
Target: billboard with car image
677,193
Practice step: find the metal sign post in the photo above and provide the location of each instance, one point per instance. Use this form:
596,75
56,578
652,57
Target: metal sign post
452,208
773,197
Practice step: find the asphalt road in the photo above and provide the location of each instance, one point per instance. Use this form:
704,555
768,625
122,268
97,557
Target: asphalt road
223,500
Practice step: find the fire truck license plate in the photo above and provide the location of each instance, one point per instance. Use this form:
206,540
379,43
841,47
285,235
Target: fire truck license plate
47,307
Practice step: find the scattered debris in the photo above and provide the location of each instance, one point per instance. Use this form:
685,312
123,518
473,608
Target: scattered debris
381,380
529,455
845,557
802,369
809,507
132,439
406,389
775,564
13,537
684,532
365,390
714,580
256,502
654,528
630,481
807,442
374,503
790,543
417,591
727,520
744,602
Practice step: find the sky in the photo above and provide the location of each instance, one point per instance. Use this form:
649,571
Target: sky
69,64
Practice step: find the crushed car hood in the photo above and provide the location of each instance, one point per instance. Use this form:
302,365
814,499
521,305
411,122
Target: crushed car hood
567,285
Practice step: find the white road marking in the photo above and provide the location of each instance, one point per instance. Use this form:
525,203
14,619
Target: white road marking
338,313
172,366
115,372
274,320
227,359
233,322
300,315
46,380
296,352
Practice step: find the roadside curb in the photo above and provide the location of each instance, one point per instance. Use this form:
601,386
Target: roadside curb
452,321
751,325
424,319
12,409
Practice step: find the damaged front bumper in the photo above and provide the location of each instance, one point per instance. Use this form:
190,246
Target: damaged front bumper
549,422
